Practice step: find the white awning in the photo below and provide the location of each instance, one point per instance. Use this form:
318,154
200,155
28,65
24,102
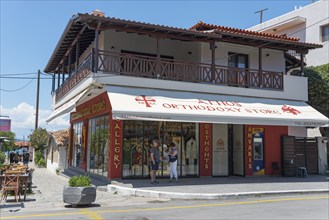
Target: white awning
64,109
160,105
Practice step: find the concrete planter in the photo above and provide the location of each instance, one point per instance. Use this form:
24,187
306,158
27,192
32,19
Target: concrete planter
79,195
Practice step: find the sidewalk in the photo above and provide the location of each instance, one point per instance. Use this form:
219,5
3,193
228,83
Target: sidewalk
48,187
47,194
222,187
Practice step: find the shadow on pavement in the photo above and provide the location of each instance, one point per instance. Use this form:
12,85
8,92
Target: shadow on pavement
93,205
138,183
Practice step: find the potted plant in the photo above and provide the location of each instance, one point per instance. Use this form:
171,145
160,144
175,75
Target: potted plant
58,171
79,192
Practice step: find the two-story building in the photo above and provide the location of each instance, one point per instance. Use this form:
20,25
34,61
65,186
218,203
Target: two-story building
309,23
220,94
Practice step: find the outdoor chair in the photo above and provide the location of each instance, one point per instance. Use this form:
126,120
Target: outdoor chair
11,183
276,169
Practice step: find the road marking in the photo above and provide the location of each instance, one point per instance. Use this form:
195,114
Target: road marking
214,205
95,214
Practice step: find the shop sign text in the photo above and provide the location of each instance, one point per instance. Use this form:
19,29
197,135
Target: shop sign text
95,108
206,145
117,145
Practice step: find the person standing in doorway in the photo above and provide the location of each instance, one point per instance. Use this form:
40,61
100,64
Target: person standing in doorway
173,160
155,159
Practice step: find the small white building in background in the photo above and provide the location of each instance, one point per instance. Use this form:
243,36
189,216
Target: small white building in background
309,23
56,151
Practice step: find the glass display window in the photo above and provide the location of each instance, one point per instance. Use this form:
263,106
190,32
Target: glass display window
77,149
138,136
98,145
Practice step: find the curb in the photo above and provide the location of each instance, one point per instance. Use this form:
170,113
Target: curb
125,191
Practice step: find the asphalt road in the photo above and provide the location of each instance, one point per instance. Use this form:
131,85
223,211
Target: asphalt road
311,206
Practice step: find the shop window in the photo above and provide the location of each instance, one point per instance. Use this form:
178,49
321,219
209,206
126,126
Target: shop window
77,151
138,136
98,145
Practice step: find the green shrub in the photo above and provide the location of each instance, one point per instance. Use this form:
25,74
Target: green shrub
41,162
2,157
38,155
80,181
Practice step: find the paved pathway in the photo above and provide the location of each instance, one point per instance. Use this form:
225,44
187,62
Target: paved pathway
47,194
48,187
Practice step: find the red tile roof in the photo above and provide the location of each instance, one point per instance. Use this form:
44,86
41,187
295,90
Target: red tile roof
61,137
22,144
201,26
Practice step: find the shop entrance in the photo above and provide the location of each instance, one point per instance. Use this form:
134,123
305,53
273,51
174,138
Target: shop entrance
227,155
237,150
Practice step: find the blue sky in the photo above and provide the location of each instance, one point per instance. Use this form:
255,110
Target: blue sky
30,31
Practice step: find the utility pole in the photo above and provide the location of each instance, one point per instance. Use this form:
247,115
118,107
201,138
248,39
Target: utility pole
37,105
261,14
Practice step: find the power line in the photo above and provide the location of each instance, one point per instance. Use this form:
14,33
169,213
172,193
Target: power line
16,90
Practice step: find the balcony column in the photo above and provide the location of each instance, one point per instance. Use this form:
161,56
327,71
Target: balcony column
302,64
158,59
96,57
69,62
260,66
213,61
58,77
63,71
77,53
53,82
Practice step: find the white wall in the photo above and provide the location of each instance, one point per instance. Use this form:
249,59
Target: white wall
295,88
313,132
316,15
273,62
297,131
322,151
145,44
62,160
52,166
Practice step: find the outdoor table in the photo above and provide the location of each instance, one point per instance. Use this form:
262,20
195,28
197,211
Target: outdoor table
23,182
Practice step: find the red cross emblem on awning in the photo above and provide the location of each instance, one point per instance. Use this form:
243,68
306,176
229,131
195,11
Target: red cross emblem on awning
291,110
148,101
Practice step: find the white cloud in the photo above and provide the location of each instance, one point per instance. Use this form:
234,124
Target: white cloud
23,119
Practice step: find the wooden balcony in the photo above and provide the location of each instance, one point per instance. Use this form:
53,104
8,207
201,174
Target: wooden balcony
75,77
169,69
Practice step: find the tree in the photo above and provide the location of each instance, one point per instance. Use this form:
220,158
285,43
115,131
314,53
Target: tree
8,143
318,88
38,138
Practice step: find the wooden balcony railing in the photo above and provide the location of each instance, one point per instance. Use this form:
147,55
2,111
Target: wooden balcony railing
168,69
146,66
77,76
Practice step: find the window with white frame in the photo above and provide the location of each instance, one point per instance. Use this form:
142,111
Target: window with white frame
325,33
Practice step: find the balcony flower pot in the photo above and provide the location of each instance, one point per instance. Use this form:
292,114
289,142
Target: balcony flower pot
79,192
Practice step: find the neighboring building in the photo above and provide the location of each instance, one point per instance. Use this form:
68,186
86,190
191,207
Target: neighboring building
309,23
5,124
220,94
25,146
56,150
